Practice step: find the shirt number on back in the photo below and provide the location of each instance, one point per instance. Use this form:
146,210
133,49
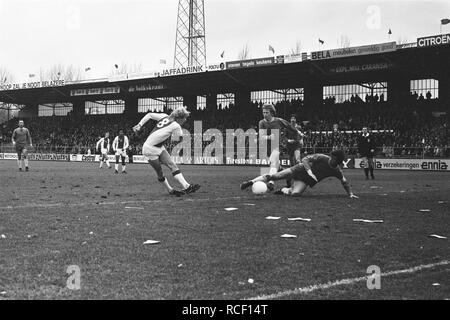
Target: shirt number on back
163,122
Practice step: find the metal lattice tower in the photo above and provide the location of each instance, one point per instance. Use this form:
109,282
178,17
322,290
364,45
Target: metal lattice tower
190,43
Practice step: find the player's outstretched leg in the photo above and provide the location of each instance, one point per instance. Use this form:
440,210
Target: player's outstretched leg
285,174
157,166
187,188
101,161
107,161
298,187
274,166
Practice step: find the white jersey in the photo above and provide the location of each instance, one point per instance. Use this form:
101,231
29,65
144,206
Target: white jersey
163,130
120,143
104,143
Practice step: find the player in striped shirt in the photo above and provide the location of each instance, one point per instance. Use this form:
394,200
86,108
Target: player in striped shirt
20,139
104,145
154,150
120,146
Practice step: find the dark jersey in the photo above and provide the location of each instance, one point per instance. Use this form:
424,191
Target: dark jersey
365,145
105,143
21,136
320,166
282,125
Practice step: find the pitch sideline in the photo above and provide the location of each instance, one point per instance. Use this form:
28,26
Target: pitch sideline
348,281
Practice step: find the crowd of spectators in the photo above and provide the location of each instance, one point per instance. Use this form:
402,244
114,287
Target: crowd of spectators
415,128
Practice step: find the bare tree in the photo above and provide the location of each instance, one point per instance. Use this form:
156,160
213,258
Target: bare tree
343,42
61,72
6,76
244,53
298,48
125,68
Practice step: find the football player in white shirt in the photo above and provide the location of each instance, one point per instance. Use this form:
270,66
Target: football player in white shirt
104,149
154,149
120,146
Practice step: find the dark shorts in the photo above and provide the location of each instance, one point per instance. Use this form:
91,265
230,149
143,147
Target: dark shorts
20,148
299,173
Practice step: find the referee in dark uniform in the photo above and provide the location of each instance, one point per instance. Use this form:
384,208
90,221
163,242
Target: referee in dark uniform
366,149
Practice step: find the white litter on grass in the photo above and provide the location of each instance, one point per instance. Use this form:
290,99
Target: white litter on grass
231,209
375,187
151,242
135,208
436,284
272,218
84,242
180,265
402,191
91,232
368,221
383,194
437,236
251,281
3,293
128,224
288,236
299,219
425,210
441,202
3,236
248,204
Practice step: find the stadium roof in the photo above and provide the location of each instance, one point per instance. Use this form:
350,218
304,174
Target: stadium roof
274,73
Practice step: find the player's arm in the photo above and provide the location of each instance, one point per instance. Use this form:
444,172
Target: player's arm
13,138
126,143
307,162
98,143
114,145
147,117
347,188
29,138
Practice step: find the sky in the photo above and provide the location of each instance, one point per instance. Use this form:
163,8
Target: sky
36,34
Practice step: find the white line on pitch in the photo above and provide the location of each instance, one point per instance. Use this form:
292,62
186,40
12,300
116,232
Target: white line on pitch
330,284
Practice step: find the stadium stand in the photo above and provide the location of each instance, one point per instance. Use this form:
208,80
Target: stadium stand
412,129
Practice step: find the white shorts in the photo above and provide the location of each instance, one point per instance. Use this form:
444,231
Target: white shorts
104,151
121,152
152,152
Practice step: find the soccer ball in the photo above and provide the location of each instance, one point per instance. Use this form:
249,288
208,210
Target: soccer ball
259,187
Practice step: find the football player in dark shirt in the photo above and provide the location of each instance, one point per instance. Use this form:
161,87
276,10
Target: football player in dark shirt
311,170
20,139
271,128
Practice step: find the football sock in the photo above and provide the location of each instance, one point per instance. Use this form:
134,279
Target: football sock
124,168
260,178
116,166
19,163
166,184
107,163
366,171
25,162
179,177
371,171
273,170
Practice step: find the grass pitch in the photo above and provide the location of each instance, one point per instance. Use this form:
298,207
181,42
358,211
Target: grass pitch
62,214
